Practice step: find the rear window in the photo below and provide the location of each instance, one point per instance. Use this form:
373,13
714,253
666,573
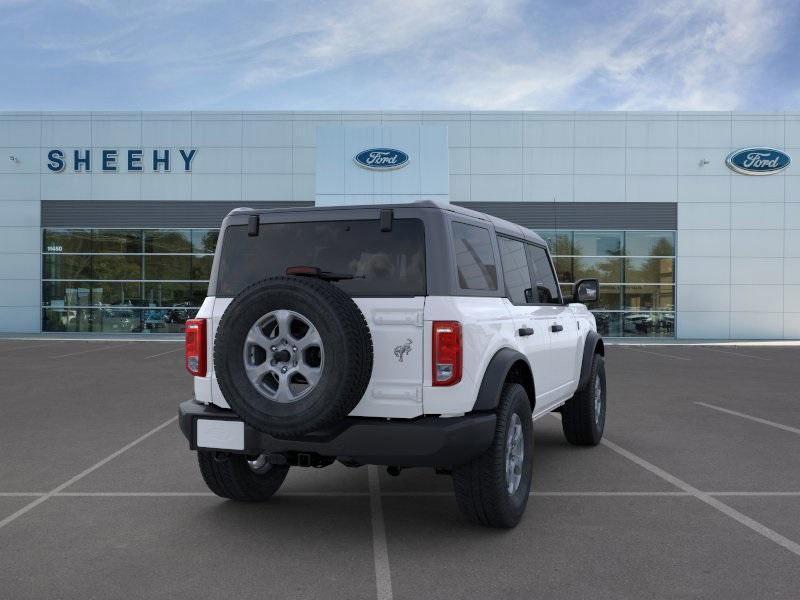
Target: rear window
390,263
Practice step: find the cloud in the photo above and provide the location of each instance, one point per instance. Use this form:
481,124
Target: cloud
450,54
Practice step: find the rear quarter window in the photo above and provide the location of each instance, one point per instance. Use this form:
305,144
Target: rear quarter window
390,263
475,260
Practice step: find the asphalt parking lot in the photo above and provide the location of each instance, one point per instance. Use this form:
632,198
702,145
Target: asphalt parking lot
694,494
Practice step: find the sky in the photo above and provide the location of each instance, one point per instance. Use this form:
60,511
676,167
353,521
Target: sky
400,55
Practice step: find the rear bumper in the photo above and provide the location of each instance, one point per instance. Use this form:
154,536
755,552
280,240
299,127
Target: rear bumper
426,441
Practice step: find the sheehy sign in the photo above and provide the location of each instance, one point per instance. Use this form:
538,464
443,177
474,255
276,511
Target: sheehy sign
111,161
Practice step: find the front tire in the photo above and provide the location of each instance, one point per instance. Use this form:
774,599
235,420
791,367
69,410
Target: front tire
237,478
583,417
493,489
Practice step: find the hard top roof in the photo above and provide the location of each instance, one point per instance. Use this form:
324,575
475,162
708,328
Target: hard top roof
500,225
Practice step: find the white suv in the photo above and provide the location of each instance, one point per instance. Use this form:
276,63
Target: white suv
406,335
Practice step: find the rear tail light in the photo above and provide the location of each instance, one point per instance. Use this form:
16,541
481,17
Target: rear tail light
447,352
196,347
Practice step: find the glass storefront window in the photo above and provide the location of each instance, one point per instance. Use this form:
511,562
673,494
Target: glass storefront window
168,241
124,280
123,241
636,270
650,270
607,270
67,240
649,297
597,243
650,243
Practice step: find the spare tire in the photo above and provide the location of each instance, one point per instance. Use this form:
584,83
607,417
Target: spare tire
292,355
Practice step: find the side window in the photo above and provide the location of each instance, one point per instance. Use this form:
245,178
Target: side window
515,270
546,285
474,257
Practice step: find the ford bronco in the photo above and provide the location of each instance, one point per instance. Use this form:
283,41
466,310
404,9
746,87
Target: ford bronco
407,335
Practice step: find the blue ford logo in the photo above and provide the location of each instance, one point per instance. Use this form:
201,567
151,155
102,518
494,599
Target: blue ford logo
381,159
758,161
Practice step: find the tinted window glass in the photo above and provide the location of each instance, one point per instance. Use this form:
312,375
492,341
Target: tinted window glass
168,240
515,269
390,263
67,240
546,285
474,257
117,240
649,243
598,243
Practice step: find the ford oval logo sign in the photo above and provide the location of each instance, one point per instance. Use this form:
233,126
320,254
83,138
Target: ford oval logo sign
758,161
381,159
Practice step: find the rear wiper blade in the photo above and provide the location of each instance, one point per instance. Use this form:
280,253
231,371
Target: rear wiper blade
303,271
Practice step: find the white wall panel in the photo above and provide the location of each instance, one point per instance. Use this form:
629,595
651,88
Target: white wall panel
27,159
692,161
791,271
20,213
701,297
792,187
166,133
116,134
600,161
761,132
18,292
19,186
216,187
703,325
757,216
791,243
791,325
303,160
20,266
18,239
756,243
547,188
116,186
652,161
459,161
19,319
595,134
548,161
704,215
599,188
267,133
662,133
757,325
495,133
768,298
303,187
459,188
496,188
704,134
766,271
215,160
651,188
496,161
545,133
66,186
268,160
704,188
757,189
217,133
703,270
267,187
166,186
56,133
704,242
19,133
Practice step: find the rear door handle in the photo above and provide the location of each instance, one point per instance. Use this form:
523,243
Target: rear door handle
523,331
555,327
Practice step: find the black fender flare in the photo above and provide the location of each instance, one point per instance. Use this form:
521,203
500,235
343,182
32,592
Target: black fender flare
496,374
593,345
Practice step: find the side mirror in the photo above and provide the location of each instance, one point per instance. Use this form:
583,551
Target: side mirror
586,290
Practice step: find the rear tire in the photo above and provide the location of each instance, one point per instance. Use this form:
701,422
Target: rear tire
235,479
485,491
583,417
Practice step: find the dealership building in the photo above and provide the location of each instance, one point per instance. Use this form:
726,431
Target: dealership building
690,220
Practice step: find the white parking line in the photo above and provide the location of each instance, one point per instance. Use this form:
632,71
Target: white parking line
163,353
734,353
734,514
383,576
87,351
30,506
751,418
657,353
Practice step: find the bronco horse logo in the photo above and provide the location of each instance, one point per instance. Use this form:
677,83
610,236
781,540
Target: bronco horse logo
403,349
